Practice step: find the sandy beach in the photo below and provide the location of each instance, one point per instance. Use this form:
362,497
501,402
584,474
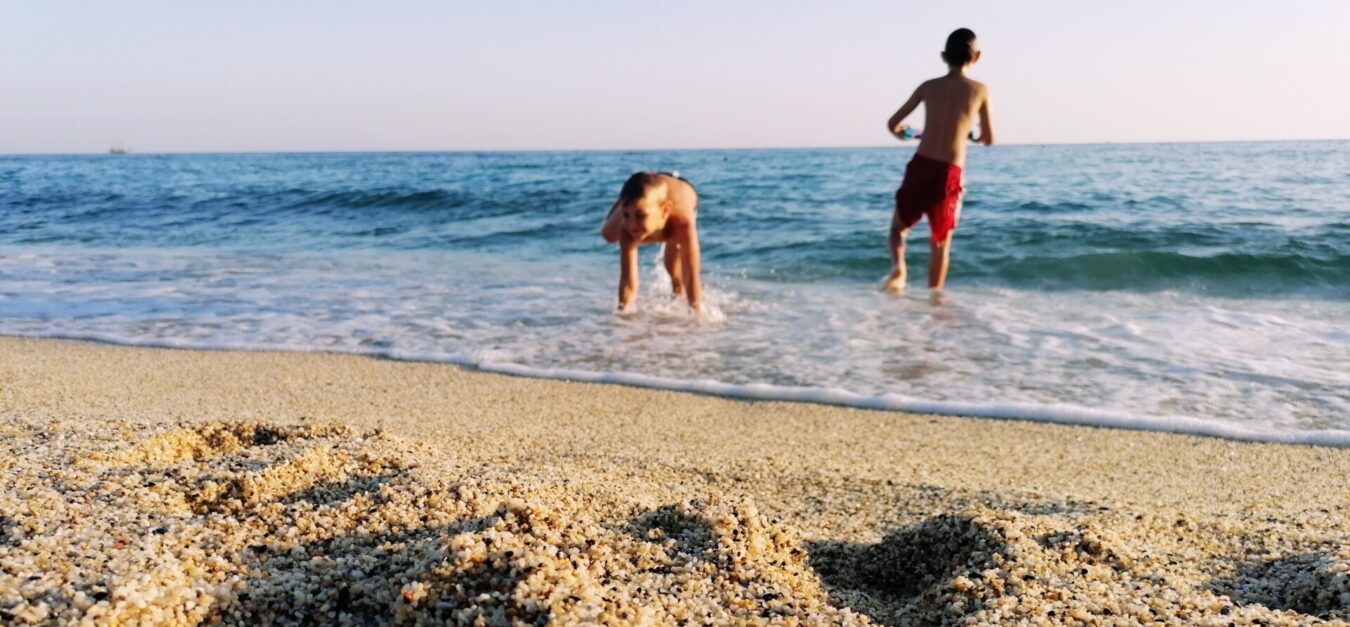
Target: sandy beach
185,487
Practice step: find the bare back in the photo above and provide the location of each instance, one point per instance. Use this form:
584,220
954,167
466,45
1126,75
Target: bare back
950,107
684,198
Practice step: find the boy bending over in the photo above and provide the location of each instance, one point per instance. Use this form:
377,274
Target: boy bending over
656,207
932,184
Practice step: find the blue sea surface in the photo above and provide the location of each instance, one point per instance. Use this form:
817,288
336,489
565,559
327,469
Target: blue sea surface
1184,284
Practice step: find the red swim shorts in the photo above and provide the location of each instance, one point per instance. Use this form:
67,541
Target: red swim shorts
931,188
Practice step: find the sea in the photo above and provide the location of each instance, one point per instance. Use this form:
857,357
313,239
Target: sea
1199,288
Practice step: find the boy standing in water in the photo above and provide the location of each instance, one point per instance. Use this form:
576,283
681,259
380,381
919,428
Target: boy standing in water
656,207
932,184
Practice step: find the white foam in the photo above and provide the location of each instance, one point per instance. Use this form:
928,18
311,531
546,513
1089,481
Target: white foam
1272,370
1054,413
1057,413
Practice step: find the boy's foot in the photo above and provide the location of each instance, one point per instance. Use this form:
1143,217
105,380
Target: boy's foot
895,283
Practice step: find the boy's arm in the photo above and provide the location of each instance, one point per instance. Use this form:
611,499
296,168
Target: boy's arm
628,270
986,124
692,263
893,125
610,230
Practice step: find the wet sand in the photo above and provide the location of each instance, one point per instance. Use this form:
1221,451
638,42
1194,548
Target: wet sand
182,487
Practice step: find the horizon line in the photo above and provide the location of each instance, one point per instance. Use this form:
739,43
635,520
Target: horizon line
132,153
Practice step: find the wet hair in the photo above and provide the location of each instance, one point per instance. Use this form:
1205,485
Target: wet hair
636,187
960,47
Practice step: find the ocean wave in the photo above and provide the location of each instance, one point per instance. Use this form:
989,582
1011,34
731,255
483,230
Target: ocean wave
1048,259
1059,207
386,198
1274,272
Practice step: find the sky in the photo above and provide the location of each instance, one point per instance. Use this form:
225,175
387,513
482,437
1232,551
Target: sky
289,75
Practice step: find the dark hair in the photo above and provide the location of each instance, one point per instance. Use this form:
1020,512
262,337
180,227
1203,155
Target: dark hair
636,186
960,47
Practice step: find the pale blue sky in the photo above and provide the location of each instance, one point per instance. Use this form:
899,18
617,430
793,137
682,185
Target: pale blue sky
404,75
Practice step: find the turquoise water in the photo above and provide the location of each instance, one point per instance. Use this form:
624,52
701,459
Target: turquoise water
1170,284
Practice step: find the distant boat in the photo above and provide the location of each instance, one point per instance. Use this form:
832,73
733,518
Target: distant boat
117,150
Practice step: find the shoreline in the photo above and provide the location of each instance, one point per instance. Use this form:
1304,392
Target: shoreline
1060,414
248,485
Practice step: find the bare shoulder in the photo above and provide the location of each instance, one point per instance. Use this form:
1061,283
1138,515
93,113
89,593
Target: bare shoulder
980,88
921,91
680,185
684,195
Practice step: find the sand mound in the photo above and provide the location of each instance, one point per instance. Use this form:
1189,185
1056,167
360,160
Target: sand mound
254,523
992,566
251,523
214,439
1316,583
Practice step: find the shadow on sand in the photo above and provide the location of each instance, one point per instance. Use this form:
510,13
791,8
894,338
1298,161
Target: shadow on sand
368,565
1305,583
894,579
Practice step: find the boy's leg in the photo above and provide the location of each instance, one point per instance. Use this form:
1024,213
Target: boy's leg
674,268
937,262
943,223
896,282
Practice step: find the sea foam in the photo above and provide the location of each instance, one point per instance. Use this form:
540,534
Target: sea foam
1058,413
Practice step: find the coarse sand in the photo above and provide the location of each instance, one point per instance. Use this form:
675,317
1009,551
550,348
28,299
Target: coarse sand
161,486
